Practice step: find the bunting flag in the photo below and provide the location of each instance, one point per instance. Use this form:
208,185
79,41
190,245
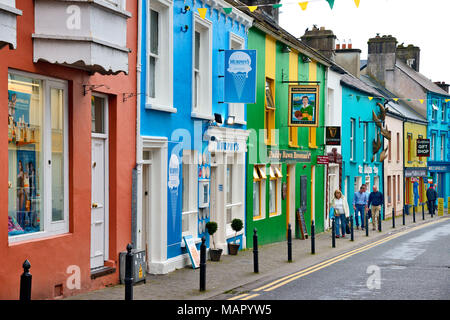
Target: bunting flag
370,98
276,6
227,10
202,12
421,101
331,3
395,99
303,5
447,100
252,8
357,98
357,3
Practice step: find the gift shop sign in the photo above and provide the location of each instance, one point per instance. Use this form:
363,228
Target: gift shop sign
423,147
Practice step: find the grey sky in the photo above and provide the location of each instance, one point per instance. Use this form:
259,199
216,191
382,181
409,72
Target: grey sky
419,22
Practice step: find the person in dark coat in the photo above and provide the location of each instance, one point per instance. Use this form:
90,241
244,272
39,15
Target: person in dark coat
431,199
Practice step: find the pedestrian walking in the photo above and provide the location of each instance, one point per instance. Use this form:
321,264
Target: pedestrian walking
341,212
375,202
360,200
431,199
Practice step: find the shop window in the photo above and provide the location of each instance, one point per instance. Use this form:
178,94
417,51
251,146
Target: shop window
259,178
189,194
37,157
275,190
159,59
270,112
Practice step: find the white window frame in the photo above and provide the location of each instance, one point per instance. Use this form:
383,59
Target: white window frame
203,109
442,147
262,191
189,160
51,228
236,188
163,100
352,139
444,113
365,127
277,176
237,110
433,142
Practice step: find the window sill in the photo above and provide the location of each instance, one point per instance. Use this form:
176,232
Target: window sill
291,145
275,214
158,107
241,122
199,115
35,236
258,218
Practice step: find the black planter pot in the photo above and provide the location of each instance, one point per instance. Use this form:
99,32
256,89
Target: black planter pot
233,248
214,254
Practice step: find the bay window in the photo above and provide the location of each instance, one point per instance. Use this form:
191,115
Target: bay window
275,190
37,156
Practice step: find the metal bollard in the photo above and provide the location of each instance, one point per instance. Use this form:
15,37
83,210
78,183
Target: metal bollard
379,222
414,214
333,233
203,265
313,236
404,213
393,218
289,243
351,229
255,252
423,211
25,282
129,273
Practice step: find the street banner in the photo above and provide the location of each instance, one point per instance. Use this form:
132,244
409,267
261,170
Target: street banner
240,76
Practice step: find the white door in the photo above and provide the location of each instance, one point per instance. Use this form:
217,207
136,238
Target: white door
99,183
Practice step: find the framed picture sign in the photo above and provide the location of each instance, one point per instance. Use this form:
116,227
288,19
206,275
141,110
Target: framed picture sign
303,105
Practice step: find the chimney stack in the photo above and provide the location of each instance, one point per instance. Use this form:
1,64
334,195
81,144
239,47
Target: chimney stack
381,59
349,58
322,40
409,55
444,86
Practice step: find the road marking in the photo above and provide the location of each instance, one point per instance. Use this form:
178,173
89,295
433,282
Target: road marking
239,296
282,281
252,296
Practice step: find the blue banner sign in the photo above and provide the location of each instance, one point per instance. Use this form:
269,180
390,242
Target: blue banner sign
240,76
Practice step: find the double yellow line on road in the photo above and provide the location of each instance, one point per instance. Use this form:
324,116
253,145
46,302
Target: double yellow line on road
287,279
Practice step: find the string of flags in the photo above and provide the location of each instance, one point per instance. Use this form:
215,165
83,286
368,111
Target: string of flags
303,5
358,98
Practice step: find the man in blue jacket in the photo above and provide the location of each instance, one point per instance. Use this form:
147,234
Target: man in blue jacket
360,205
431,199
376,199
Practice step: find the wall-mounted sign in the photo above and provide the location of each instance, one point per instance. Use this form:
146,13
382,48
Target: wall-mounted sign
415,172
440,207
423,147
304,106
289,155
240,76
333,136
322,159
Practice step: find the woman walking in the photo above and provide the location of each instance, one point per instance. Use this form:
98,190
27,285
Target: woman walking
341,212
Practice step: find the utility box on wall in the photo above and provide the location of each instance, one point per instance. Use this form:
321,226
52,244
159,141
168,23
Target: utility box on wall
139,266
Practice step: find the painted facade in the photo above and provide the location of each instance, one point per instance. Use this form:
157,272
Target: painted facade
358,133
190,168
277,186
66,199
438,133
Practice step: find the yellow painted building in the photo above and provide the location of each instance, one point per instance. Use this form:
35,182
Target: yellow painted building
415,168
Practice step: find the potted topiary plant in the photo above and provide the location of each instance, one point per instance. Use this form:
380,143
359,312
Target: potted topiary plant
237,226
214,254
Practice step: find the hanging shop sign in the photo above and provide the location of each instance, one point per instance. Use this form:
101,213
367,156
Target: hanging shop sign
240,76
333,136
289,155
423,147
304,106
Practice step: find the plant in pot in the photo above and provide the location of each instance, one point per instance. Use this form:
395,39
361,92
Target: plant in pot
214,254
237,226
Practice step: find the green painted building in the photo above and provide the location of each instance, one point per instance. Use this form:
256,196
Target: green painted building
282,171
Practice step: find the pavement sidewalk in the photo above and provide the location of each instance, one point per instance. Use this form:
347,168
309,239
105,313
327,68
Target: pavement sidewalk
225,278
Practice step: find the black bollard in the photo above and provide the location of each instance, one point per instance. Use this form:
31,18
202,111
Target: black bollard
379,221
25,282
393,218
203,265
289,243
367,224
313,236
406,206
255,252
414,214
129,273
333,233
423,211
351,229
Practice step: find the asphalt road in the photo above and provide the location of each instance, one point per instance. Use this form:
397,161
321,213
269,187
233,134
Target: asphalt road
414,265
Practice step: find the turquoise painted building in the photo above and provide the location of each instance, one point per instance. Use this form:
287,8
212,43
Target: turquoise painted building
358,134
191,145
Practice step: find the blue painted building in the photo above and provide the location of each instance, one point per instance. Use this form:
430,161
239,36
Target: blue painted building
438,132
358,134
191,146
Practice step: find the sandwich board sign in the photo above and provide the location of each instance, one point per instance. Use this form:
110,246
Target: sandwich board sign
192,250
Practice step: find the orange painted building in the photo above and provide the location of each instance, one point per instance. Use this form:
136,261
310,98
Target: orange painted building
68,148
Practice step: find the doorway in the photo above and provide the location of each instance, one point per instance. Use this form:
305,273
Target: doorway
99,181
